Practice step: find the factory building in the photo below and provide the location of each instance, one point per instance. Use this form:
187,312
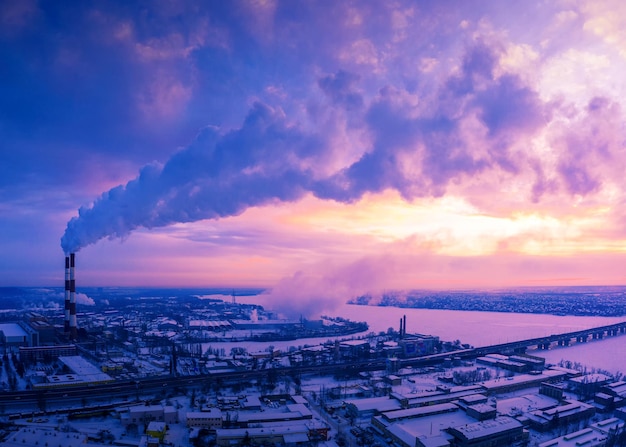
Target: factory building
34,330
46,353
441,397
570,412
588,384
81,372
359,408
502,431
386,419
596,435
43,332
140,414
505,385
277,435
295,412
417,345
12,336
211,419
354,348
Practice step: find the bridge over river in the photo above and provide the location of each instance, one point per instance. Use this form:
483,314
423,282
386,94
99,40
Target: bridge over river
565,339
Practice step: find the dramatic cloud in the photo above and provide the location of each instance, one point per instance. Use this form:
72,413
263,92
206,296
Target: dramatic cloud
269,157
351,127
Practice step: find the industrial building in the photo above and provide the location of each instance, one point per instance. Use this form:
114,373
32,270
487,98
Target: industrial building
567,413
13,335
44,332
46,353
386,419
507,384
276,435
296,412
210,419
140,414
502,431
595,435
360,408
441,397
588,384
81,372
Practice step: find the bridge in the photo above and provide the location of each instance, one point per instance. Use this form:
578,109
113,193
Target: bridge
564,339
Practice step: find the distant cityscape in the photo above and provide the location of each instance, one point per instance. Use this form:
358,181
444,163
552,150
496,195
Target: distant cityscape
195,367
602,301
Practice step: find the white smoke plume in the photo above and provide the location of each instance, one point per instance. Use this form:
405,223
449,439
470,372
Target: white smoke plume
213,177
84,300
271,159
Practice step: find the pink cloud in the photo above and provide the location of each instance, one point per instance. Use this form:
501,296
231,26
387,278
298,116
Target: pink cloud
384,99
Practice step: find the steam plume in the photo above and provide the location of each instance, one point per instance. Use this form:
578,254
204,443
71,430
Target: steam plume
270,159
213,177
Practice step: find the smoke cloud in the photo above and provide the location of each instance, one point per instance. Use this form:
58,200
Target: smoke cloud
214,177
415,146
85,300
325,287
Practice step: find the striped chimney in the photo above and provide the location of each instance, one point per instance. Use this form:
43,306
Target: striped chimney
73,329
66,321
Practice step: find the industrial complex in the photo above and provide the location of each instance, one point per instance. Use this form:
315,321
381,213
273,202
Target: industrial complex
145,369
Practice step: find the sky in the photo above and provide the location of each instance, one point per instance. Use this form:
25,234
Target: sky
318,148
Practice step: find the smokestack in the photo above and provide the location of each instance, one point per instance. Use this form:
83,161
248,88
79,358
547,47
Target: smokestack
66,321
400,328
73,330
403,326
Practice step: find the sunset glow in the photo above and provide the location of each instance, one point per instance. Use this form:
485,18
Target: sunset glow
316,148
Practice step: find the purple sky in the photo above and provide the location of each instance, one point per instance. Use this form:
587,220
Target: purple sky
322,147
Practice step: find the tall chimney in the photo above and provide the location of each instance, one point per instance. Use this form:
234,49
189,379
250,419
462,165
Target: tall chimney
73,330
66,321
400,333
404,326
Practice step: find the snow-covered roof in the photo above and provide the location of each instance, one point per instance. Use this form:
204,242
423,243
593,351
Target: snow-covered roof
484,429
12,330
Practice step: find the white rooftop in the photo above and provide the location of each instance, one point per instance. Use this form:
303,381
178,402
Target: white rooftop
483,429
12,330
586,437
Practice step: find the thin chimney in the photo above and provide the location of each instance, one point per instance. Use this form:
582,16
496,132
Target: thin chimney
66,321
73,329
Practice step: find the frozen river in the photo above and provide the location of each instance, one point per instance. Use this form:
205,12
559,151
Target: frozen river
477,329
